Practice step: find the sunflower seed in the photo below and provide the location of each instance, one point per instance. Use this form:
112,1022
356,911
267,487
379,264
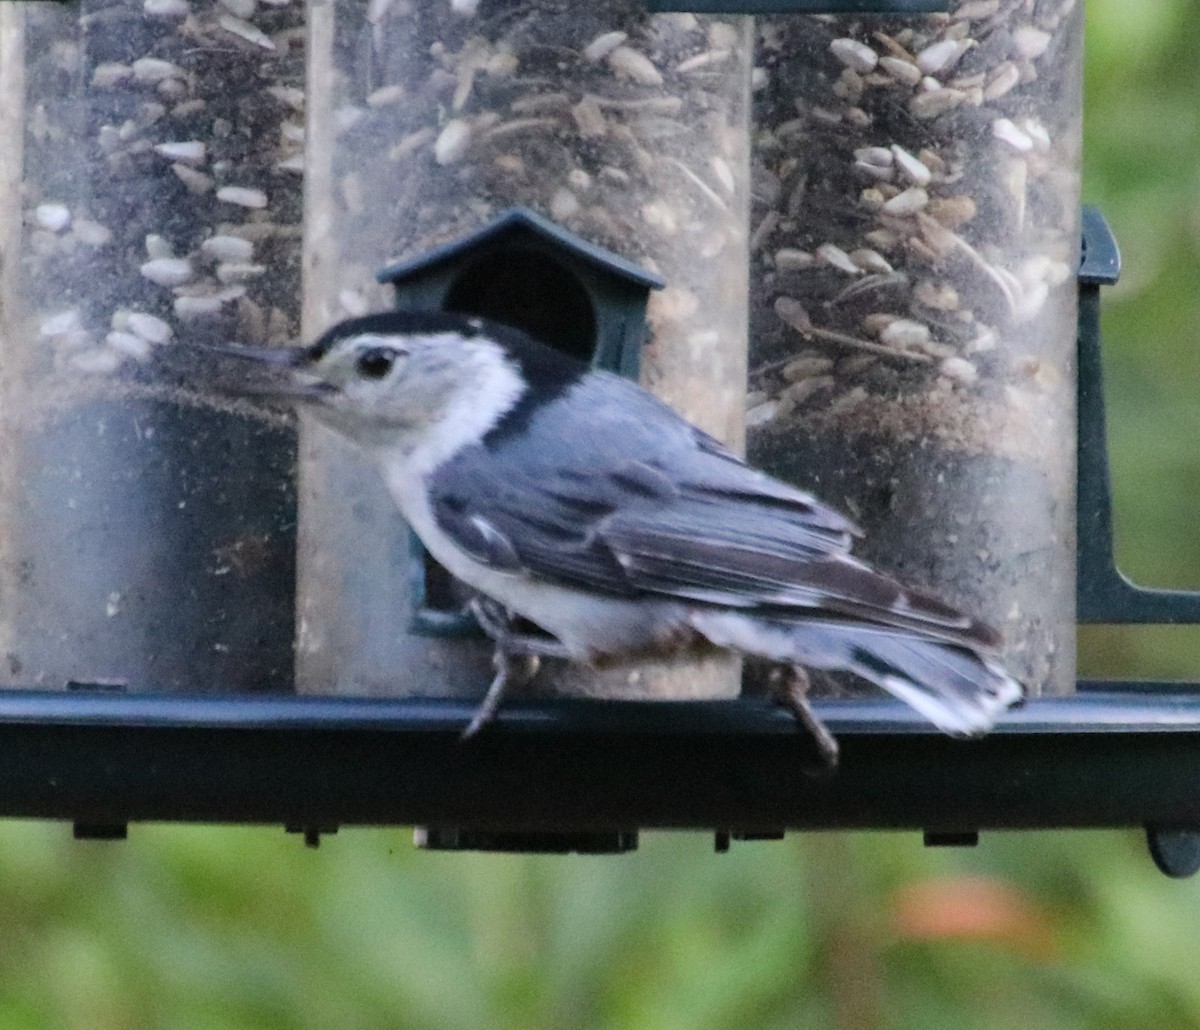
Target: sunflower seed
192,308
166,9
833,255
806,368
870,261
901,70
952,212
877,322
243,29
881,156
242,196
386,95
762,413
630,64
110,74
452,142
908,202
934,102
155,70
54,217
239,272
941,56
190,152
791,260
61,324
882,239
1004,130
603,45
97,361
563,204
411,143
976,10
800,392
93,234
149,327
129,344
706,59
939,296
196,182
1001,80
167,271
292,96
1036,131
905,334
1029,42
914,170
854,54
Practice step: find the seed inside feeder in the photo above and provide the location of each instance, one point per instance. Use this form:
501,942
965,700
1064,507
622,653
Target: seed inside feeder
243,196
168,271
871,142
149,327
54,217
189,152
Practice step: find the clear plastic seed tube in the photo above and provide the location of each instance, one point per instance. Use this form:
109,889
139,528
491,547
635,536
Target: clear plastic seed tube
628,130
915,242
150,182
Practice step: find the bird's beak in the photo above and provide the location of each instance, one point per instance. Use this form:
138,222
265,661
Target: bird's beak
292,362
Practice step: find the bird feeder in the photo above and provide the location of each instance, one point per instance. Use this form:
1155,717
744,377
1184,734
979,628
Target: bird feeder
920,299
623,139
913,319
148,207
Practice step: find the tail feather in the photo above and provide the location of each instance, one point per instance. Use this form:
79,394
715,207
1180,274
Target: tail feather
960,690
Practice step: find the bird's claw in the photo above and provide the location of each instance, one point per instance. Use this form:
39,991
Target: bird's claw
789,689
511,670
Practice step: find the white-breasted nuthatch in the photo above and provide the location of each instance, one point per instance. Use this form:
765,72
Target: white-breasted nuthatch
579,502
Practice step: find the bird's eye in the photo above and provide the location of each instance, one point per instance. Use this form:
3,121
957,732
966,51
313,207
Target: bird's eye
376,362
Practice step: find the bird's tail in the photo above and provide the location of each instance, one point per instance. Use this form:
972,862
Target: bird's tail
956,687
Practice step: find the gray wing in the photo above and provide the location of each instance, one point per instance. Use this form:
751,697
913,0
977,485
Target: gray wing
606,488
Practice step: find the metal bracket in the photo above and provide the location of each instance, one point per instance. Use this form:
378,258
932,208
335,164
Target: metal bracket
312,834
1176,852
562,768
1104,594
100,831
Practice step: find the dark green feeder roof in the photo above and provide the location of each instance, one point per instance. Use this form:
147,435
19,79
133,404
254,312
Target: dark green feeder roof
522,221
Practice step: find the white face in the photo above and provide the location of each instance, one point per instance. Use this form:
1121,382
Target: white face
413,392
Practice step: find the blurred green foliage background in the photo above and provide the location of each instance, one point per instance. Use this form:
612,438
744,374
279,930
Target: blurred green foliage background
196,927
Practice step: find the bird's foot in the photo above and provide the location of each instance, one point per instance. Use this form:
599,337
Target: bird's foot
512,670
789,688
497,622
517,658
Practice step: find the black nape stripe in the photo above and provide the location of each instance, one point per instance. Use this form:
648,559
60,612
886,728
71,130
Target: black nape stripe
548,373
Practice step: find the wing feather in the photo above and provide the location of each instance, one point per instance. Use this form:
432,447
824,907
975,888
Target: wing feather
638,502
